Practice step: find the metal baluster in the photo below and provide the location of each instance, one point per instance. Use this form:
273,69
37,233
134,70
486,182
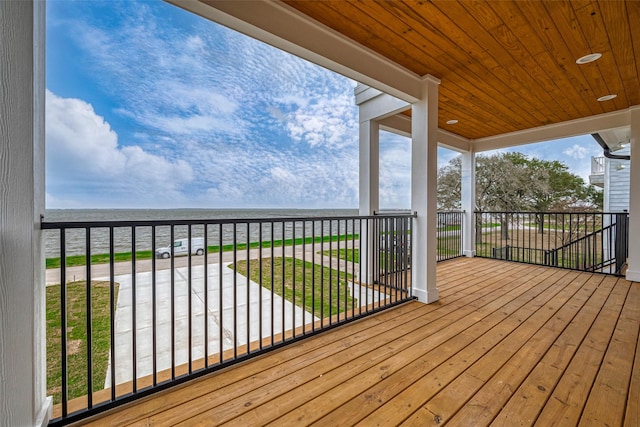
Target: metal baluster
88,306
63,320
112,314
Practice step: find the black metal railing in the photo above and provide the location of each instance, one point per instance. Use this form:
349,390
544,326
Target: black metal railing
585,241
127,316
449,235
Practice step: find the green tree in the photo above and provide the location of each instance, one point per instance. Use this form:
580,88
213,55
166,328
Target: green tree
513,182
449,188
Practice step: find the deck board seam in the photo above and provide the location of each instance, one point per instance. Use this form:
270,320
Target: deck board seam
522,324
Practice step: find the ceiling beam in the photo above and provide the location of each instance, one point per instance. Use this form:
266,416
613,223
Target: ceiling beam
453,142
376,105
584,126
287,29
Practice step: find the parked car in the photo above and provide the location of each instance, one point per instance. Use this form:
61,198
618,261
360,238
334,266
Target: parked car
180,248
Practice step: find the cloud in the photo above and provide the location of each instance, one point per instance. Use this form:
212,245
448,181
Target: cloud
576,151
395,171
328,121
83,151
254,126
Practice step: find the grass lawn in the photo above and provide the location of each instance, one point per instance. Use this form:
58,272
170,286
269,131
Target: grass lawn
351,255
449,228
77,339
449,245
79,260
328,297
446,246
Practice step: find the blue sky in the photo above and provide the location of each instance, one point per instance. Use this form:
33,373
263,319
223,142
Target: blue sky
149,106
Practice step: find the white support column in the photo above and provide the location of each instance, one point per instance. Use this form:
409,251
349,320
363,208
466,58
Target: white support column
369,191
633,269
468,190
424,172
22,304
369,167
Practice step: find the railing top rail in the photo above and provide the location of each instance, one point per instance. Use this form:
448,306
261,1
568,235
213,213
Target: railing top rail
585,237
552,212
398,213
55,225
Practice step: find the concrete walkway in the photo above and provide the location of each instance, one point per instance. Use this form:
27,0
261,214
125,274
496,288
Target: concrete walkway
226,326
225,323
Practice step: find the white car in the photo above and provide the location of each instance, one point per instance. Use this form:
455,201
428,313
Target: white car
180,248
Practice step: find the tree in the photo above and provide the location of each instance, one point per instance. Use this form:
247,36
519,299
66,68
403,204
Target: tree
449,188
565,191
514,182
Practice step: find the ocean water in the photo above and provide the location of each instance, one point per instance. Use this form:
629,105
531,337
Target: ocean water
124,241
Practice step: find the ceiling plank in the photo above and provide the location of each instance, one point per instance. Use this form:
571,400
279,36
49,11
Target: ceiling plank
529,50
633,10
560,63
592,26
512,72
620,39
443,51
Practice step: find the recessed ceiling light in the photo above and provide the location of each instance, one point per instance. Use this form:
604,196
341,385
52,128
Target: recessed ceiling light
607,97
588,58
452,122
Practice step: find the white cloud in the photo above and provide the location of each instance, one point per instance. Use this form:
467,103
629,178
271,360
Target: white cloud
83,151
328,121
576,151
395,171
257,126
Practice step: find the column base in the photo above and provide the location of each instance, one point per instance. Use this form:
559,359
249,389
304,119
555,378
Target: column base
633,276
45,413
427,297
469,254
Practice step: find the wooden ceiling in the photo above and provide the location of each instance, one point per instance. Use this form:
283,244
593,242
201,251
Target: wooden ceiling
505,66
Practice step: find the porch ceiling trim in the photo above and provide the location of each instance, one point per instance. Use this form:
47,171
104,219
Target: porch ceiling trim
584,126
279,25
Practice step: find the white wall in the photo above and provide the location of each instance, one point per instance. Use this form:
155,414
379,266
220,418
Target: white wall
617,184
22,349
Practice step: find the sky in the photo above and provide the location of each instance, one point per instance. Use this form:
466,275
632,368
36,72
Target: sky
149,106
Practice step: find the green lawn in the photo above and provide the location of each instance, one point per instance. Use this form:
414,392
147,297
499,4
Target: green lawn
80,260
449,228
449,245
295,283
351,255
77,338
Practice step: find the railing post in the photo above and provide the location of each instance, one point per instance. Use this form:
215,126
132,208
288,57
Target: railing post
468,186
621,240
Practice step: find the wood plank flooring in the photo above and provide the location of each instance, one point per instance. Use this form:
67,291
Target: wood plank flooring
507,344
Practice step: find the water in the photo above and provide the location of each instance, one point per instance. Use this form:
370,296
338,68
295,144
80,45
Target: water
76,241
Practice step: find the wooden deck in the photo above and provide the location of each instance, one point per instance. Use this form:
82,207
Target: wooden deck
507,344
